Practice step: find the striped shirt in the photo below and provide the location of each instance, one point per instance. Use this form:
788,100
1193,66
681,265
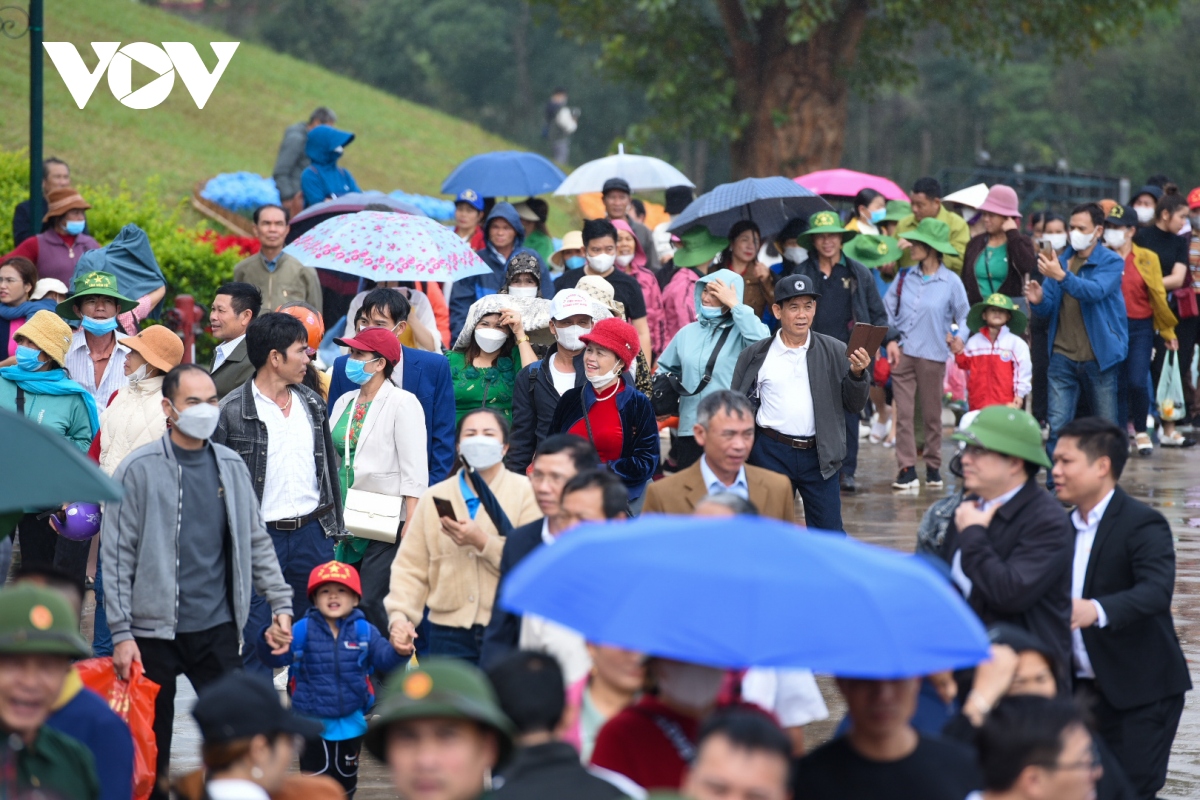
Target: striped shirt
81,369
925,310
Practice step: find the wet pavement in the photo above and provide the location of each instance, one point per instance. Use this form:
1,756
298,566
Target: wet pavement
1169,481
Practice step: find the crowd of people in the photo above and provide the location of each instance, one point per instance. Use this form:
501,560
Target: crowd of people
346,524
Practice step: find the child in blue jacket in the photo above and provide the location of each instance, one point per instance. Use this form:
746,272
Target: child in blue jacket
332,654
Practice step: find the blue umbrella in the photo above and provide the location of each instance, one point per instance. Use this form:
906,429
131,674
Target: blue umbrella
771,202
742,591
507,173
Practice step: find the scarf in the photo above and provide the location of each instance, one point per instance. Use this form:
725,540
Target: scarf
53,382
25,310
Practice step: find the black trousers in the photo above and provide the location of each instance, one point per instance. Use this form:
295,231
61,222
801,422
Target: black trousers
41,545
375,572
1140,737
686,452
338,760
1039,357
203,657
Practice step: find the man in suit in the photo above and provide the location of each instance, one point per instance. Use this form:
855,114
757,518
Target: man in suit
1126,662
234,307
725,429
1010,542
426,375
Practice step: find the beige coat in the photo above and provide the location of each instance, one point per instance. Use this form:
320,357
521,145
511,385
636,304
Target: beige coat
391,457
457,583
770,492
134,417
291,281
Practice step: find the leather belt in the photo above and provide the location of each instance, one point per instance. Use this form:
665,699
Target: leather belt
796,442
296,523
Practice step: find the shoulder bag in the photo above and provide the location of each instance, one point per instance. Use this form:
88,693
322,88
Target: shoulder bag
370,515
668,388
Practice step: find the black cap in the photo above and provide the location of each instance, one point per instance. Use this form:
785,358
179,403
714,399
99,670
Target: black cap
677,198
793,229
239,706
1123,216
795,286
1154,191
615,185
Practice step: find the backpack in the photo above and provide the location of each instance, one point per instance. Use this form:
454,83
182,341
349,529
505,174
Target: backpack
362,634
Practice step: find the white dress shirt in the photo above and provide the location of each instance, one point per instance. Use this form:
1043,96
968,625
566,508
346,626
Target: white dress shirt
714,485
82,370
290,489
956,570
784,391
791,695
1085,537
223,351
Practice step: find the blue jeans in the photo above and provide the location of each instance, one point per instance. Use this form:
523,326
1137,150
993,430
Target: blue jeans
102,643
462,643
1133,381
822,496
1068,379
298,552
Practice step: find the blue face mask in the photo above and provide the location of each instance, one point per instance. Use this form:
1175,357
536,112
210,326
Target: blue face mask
76,226
27,358
711,312
877,215
575,262
99,327
357,370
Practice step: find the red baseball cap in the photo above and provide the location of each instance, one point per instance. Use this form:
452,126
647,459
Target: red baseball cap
375,340
334,572
1194,198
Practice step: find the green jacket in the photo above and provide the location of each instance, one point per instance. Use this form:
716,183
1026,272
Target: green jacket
55,764
66,414
960,234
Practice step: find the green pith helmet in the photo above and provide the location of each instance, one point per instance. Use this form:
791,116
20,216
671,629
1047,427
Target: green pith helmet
1008,431
440,688
37,620
1017,319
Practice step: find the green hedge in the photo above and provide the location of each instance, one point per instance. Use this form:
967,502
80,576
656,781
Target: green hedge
191,266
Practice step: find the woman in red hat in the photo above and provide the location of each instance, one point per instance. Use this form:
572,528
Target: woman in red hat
609,411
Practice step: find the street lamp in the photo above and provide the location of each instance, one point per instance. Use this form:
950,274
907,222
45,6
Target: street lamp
12,27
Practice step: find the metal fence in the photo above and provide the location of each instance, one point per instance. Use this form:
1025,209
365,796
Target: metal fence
1041,190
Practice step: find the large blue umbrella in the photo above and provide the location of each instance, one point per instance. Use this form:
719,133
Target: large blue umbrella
743,591
770,202
506,173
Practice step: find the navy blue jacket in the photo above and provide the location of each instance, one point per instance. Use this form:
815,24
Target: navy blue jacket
427,375
639,448
467,290
330,681
88,719
503,633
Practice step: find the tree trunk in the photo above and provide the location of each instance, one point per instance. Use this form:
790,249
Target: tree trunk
793,96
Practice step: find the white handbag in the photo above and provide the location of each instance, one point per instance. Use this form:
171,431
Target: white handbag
371,515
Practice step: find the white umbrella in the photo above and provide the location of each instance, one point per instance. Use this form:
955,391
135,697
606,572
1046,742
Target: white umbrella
642,173
971,197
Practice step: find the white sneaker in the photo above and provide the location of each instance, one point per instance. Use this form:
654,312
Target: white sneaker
879,432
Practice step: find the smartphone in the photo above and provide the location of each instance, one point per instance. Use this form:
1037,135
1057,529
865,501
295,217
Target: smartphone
444,508
1046,249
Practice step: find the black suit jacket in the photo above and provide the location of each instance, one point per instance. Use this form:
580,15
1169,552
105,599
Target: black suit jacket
1131,573
503,632
1020,569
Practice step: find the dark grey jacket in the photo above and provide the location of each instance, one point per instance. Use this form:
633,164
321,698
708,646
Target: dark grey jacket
242,431
534,401
292,160
834,388
235,370
139,544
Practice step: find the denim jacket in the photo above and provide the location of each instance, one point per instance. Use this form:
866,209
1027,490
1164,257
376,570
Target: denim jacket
240,429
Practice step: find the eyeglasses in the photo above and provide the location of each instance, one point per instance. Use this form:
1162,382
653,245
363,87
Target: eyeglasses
1090,764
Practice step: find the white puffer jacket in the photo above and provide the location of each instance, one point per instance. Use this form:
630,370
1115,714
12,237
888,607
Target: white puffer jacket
133,418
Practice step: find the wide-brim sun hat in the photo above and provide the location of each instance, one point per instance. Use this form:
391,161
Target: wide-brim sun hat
158,345
697,246
46,285
46,331
897,210
824,222
1002,200
873,251
934,233
616,335
1016,323
572,240
60,201
94,284
1008,431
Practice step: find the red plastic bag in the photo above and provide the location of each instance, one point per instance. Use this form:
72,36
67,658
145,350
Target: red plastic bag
133,701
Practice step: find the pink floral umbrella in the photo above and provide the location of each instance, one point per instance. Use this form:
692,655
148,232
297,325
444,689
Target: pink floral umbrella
383,246
847,183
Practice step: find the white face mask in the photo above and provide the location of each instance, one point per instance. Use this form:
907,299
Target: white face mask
1144,214
568,337
1056,240
1114,237
1081,241
489,339
601,264
600,381
481,451
198,421
690,685
523,291
797,255
624,261
138,375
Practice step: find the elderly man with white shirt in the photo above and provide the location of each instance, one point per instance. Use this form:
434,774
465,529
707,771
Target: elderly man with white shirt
802,383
